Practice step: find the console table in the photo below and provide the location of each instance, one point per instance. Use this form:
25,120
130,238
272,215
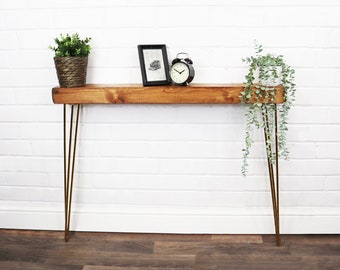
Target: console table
137,94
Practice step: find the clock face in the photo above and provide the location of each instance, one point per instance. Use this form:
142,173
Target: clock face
179,73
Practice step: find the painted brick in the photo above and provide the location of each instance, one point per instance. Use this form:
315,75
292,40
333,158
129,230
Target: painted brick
311,133
332,183
24,179
37,95
15,148
328,150
313,114
7,96
312,96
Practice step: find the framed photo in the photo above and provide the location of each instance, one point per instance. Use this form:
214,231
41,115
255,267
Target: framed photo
154,64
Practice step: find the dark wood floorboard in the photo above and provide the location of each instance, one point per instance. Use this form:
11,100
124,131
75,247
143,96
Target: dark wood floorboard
25,249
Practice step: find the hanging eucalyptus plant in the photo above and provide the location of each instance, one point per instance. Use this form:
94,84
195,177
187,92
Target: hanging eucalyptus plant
266,71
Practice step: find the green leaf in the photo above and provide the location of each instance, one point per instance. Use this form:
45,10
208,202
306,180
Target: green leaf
269,68
71,45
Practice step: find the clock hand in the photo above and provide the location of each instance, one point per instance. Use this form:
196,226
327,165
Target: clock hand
178,71
182,71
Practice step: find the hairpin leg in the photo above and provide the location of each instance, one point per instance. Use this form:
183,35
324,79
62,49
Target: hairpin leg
274,175
69,164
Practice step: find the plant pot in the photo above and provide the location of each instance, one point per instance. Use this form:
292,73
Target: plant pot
71,71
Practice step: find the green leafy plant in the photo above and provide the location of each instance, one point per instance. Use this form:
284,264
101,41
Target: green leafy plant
71,46
265,72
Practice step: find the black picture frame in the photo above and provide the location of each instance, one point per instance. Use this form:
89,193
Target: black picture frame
154,64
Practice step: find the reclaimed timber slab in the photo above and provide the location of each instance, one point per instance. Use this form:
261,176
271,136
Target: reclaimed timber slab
165,94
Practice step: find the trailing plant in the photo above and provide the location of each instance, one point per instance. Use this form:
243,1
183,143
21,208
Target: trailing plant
71,46
265,72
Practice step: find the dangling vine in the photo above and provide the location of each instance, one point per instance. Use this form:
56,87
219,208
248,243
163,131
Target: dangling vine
264,74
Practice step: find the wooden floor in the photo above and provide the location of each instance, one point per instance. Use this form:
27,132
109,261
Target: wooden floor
26,250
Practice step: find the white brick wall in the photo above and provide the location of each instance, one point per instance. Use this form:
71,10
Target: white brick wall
168,168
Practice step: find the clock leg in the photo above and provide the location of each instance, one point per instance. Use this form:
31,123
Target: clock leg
273,172
68,165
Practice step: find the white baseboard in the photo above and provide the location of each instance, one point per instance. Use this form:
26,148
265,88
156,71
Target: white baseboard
173,219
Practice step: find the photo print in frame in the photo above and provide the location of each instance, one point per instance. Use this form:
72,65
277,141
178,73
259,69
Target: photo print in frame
154,64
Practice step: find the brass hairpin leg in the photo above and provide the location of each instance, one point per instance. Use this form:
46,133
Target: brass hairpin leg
274,175
68,166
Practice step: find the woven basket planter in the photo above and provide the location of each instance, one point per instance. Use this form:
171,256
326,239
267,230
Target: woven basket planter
71,71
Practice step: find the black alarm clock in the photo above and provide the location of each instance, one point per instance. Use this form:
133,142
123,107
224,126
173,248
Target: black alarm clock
182,71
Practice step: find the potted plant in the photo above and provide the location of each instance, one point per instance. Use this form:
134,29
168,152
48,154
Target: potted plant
265,72
71,58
